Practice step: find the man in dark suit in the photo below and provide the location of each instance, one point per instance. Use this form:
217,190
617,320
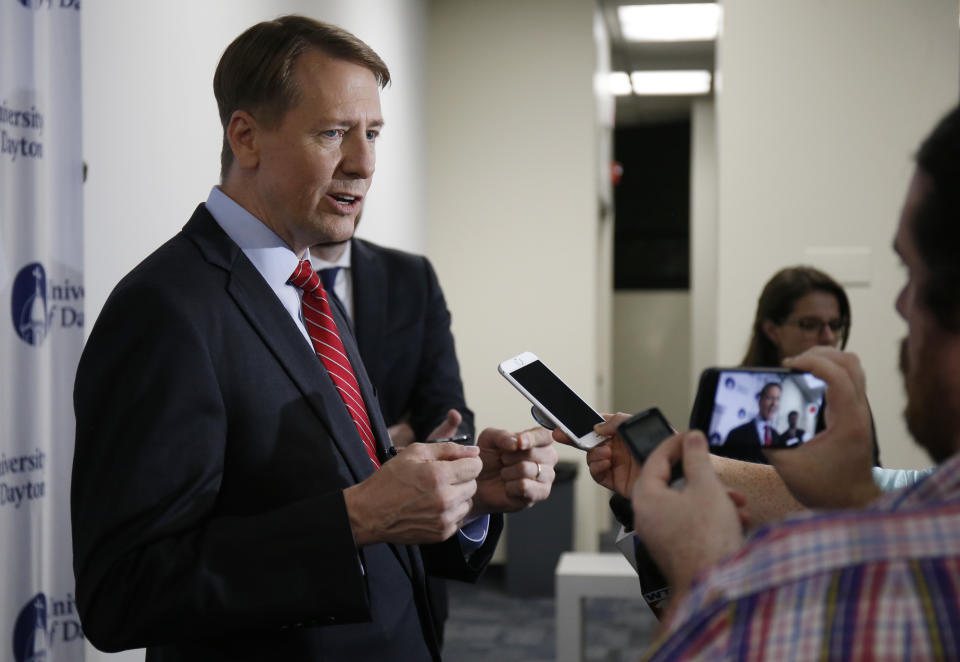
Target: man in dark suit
792,435
744,441
235,495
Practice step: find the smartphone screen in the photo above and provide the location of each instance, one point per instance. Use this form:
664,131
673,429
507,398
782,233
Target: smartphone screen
557,398
744,409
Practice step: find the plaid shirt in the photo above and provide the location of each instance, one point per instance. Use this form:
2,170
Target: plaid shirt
875,584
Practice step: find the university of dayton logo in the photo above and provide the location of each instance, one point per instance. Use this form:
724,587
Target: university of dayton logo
30,631
39,629
38,305
29,304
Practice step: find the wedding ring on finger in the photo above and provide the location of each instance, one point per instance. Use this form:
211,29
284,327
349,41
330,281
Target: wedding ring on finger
539,469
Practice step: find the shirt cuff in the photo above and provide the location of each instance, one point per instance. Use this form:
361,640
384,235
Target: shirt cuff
894,479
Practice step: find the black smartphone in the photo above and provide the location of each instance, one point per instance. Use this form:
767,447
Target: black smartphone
742,410
643,432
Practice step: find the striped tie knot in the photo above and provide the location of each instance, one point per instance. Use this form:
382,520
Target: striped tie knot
305,278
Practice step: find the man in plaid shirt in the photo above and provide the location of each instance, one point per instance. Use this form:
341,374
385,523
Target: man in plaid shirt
880,580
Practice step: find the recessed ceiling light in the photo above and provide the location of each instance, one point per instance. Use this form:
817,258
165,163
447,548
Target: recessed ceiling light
618,83
670,82
679,22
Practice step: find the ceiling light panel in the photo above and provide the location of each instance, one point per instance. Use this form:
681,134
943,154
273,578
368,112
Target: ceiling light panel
618,83
670,82
679,22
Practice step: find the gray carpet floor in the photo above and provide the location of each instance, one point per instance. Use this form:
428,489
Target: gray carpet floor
486,624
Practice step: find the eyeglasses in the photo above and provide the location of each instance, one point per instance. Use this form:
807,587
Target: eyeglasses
815,325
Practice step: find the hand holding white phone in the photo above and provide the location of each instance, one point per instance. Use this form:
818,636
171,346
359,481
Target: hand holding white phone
553,398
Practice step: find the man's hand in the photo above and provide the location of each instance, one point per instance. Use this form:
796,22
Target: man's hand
686,530
401,435
832,470
518,470
611,463
449,427
420,496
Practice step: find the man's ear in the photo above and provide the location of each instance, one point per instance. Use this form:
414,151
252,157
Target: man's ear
243,133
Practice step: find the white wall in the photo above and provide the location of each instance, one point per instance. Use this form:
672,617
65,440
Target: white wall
152,134
703,241
820,107
605,117
512,206
651,340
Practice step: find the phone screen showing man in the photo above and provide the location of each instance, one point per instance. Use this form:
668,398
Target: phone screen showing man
764,409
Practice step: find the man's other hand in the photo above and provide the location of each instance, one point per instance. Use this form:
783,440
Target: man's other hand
449,427
833,470
401,435
518,469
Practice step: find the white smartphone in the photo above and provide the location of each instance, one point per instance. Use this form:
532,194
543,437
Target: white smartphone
553,398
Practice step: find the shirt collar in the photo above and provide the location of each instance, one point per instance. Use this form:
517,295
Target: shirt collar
343,261
270,254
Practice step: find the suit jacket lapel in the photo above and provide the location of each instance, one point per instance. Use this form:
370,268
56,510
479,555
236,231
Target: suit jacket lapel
369,307
273,324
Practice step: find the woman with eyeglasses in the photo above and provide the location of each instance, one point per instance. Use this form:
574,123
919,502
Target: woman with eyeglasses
799,307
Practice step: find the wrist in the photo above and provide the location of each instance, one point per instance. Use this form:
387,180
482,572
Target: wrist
477,510
682,570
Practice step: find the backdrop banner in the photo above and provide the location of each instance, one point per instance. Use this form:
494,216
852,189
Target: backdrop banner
41,287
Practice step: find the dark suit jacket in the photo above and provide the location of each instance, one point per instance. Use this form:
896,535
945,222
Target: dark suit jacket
403,330
212,452
402,327
786,439
743,443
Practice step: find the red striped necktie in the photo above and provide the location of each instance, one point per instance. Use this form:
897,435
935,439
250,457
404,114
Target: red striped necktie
326,341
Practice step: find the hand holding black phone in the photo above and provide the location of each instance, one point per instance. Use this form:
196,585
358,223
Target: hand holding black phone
643,432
